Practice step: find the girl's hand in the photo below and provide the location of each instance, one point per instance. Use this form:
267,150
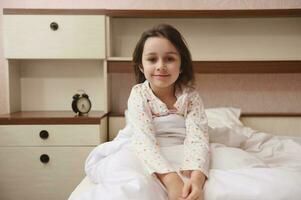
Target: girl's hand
192,190
173,184
174,191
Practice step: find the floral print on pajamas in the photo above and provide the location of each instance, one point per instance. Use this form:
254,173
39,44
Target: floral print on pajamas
143,106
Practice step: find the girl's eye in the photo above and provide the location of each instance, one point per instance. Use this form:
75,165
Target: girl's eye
170,59
151,59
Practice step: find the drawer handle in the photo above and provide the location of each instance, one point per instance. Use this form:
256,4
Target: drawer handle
44,158
54,26
44,134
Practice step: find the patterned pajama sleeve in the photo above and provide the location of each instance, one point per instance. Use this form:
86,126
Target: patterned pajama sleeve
143,139
196,143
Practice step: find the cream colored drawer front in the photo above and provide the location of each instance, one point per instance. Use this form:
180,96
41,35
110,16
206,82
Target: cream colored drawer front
59,135
30,36
24,176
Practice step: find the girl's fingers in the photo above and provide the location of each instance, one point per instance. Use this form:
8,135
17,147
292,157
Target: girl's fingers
186,189
194,195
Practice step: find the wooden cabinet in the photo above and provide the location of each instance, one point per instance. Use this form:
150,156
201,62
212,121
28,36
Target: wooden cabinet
54,36
46,161
43,144
25,176
49,135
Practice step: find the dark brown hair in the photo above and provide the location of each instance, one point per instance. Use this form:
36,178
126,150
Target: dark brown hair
186,76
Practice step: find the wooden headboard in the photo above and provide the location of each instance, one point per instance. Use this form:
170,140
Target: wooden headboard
284,125
270,102
252,63
270,94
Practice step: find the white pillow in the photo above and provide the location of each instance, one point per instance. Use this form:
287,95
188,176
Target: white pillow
225,126
217,117
223,116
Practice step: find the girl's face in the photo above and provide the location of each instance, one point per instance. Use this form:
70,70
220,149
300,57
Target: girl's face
161,63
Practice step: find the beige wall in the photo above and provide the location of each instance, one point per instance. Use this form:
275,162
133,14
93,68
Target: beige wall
125,4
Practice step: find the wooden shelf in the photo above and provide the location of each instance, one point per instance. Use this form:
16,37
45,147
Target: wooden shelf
205,13
51,117
275,66
120,59
286,12
246,114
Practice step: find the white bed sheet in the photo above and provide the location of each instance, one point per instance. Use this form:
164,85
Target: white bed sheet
264,167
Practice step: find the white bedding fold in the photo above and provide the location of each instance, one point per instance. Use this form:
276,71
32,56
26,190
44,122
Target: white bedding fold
261,167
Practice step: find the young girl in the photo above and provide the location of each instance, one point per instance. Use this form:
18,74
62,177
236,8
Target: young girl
162,153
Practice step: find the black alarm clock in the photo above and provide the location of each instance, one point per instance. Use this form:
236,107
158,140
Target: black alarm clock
81,104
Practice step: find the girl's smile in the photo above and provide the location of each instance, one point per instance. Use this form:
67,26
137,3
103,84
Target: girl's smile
159,76
161,63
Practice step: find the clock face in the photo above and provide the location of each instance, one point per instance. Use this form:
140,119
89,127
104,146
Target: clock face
83,105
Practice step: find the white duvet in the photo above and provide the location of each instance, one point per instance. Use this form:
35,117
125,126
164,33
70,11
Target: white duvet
245,164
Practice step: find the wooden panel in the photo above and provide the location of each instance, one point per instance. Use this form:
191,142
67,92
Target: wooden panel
30,36
223,39
58,135
115,125
51,117
245,114
271,93
206,13
103,136
285,12
264,94
24,176
120,88
21,11
14,74
53,83
277,125
223,66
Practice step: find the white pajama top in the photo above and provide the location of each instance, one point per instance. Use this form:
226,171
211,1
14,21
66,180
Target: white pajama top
144,106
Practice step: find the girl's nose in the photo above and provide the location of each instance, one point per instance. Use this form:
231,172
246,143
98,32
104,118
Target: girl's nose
161,65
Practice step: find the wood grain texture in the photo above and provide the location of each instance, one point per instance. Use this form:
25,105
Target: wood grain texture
51,117
291,66
270,94
215,13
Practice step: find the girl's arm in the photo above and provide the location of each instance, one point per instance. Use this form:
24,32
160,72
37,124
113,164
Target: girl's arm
143,139
198,177
196,144
168,179
173,184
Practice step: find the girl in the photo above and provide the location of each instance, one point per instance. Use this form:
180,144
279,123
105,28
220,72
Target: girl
163,152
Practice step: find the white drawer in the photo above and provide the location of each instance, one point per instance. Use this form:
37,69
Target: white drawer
30,36
58,135
24,176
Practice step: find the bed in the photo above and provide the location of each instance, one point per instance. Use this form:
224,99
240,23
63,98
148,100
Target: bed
245,163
